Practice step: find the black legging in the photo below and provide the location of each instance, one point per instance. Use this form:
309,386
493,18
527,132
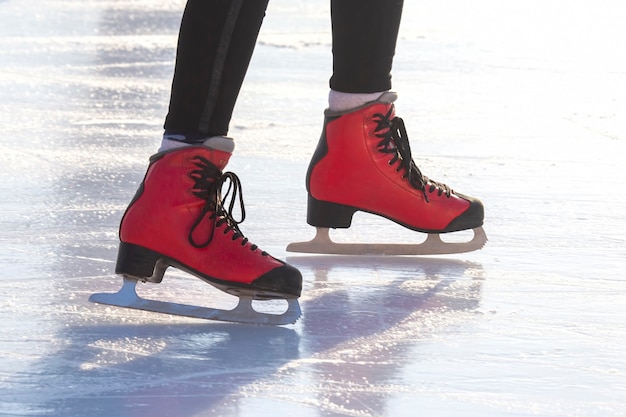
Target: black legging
217,38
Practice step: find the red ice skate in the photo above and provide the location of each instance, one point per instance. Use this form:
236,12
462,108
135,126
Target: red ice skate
179,217
363,162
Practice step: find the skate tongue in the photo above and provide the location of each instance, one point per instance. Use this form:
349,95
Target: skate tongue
388,97
220,143
221,148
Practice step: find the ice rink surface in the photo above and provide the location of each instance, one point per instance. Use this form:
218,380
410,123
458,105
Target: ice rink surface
520,103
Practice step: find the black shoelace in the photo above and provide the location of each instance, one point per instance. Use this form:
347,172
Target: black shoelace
396,141
208,185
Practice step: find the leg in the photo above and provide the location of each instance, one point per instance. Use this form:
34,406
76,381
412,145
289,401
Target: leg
369,145
216,42
179,217
364,43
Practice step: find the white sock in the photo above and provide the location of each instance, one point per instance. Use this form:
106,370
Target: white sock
168,143
338,101
222,143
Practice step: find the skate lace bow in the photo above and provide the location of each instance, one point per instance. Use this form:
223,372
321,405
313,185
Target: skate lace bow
395,141
221,206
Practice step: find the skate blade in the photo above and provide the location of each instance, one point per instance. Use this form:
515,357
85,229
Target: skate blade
243,313
433,245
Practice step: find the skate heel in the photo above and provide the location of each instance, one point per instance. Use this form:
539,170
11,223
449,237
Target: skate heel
329,215
139,263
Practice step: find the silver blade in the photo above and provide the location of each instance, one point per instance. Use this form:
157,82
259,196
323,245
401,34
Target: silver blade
433,245
242,313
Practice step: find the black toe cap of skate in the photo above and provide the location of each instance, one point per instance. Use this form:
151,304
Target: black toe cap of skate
471,218
285,280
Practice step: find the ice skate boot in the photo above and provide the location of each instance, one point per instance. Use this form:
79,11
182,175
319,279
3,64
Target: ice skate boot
180,217
363,162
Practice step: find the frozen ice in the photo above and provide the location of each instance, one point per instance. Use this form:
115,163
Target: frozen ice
519,103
